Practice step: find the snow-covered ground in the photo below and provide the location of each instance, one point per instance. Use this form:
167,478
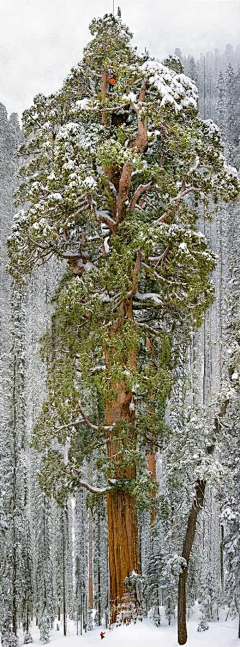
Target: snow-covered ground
145,634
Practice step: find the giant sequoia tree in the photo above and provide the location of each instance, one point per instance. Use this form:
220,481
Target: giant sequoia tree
116,167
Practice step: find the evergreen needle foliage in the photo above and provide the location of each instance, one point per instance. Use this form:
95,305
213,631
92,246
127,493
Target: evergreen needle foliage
112,183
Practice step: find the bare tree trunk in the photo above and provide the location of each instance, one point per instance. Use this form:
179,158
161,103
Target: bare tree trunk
151,465
90,560
64,550
99,601
122,520
14,505
123,554
190,533
187,547
122,527
221,556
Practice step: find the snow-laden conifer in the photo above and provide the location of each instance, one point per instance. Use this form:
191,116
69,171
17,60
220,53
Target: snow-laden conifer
112,182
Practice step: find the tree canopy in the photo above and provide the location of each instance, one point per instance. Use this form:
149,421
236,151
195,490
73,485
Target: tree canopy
113,180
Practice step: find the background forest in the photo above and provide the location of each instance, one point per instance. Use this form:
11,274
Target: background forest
54,550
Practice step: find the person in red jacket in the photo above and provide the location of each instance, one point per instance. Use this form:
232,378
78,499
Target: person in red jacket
102,634
111,79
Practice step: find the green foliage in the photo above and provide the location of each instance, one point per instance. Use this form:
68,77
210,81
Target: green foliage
113,183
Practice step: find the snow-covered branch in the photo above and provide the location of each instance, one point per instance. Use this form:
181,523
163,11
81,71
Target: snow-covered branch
107,220
91,425
178,197
93,489
83,421
158,259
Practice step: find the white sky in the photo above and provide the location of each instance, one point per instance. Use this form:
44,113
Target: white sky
40,40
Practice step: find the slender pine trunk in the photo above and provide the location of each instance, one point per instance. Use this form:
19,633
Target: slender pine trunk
90,560
14,504
64,550
187,547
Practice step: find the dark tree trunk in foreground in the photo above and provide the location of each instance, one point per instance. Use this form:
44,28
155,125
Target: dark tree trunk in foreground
14,503
187,547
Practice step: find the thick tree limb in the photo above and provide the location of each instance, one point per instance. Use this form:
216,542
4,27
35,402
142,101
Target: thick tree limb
91,488
159,259
107,220
94,490
43,247
141,140
69,425
95,427
83,421
123,190
141,189
136,272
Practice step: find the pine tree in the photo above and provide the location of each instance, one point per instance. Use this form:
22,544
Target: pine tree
116,166
14,545
230,450
221,105
81,566
232,130
191,69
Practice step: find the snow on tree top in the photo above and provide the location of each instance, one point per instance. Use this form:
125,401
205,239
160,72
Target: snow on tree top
231,170
177,89
90,182
212,127
83,104
149,296
130,97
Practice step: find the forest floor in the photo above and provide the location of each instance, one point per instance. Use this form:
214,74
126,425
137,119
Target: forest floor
222,633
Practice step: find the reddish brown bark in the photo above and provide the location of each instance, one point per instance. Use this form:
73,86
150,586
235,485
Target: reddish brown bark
141,140
123,190
122,520
123,555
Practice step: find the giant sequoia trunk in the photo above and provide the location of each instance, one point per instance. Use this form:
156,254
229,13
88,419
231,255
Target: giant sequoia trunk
187,547
122,526
123,556
122,519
